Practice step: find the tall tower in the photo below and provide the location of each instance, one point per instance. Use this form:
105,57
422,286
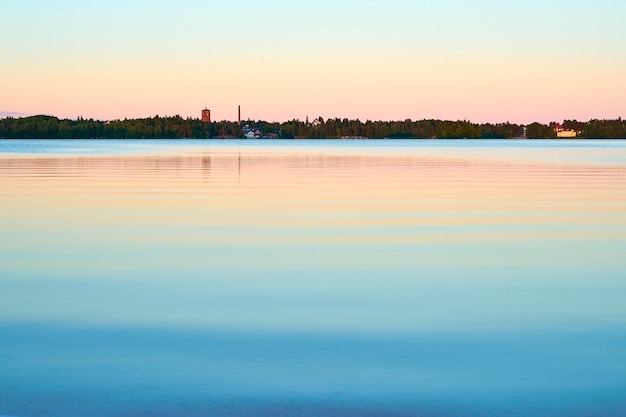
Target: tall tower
206,115
239,114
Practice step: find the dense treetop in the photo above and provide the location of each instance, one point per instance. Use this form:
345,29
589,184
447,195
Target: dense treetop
49,127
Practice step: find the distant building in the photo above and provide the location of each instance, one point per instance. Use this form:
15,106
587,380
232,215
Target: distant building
255,133
561,132
206,115
251,132
566,134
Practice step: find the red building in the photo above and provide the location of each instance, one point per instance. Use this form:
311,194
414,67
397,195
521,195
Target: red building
206,115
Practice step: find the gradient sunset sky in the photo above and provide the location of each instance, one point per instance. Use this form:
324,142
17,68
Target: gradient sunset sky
482,60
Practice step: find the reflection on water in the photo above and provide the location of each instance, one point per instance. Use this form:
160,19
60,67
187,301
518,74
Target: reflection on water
313,279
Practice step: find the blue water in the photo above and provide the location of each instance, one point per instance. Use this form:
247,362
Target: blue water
312,278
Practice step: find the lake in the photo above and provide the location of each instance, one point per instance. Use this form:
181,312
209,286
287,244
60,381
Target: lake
312,278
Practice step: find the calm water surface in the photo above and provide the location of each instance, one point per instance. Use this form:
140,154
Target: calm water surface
312,278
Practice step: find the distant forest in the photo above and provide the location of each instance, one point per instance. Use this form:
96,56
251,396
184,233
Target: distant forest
48,127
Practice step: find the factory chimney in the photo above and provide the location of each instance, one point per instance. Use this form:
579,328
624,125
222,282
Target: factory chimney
239,114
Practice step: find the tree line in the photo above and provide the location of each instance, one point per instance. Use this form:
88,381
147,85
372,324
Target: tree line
176,127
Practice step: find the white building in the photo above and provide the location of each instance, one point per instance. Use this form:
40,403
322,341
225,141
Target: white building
561,132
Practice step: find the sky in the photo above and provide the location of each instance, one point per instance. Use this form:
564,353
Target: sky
482,60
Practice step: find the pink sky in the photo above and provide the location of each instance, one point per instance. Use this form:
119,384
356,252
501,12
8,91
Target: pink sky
404,60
